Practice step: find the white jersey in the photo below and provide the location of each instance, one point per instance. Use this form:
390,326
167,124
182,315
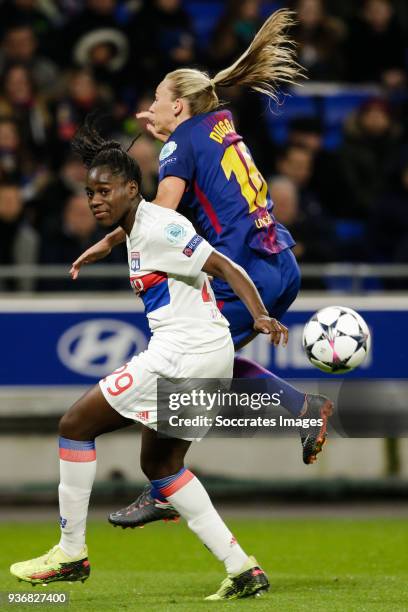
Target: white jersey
165,260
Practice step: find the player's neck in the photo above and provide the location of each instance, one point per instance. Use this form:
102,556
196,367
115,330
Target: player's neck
183,116
128,220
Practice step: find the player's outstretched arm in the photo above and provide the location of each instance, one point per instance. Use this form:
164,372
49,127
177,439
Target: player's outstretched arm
220,266
98,251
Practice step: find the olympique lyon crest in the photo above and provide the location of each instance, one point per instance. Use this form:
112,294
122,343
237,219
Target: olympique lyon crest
135,261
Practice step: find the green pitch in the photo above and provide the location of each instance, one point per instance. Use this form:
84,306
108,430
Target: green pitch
313,565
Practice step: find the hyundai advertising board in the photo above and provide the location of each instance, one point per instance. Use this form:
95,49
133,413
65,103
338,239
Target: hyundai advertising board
77,342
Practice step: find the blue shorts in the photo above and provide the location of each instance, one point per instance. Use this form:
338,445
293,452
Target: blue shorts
277,279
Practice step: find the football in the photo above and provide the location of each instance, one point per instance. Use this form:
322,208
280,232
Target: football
336,339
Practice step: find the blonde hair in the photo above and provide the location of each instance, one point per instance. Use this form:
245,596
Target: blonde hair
268,61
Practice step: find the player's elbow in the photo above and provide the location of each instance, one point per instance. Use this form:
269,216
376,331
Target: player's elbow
228,270
219,266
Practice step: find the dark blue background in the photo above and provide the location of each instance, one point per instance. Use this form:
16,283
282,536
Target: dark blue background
29,341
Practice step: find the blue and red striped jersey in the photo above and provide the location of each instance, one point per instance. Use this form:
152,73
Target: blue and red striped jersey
226,193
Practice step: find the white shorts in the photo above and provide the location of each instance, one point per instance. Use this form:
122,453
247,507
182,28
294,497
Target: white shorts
132,389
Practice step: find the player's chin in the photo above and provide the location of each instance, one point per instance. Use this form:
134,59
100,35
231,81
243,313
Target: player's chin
104,219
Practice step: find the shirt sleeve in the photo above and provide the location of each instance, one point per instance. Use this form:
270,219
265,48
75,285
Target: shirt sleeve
177,158
176,248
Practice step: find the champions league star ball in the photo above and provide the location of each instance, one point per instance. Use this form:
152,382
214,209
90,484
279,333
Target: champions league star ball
336,339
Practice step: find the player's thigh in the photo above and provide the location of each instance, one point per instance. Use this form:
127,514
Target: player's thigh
132,389
239,318
277,280
266,275
91,416
290,275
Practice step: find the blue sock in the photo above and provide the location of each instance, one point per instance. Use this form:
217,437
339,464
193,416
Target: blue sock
165,484
155,493
290,398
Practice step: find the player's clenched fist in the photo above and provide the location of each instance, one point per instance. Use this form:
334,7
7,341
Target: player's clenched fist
267,325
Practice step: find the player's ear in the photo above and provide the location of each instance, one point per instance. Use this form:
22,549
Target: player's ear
133,189
178,106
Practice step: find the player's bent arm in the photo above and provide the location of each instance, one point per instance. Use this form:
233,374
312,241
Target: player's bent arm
222,267
116,237
169,192
99,250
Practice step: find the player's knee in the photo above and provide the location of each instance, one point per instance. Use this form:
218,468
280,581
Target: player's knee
68,426
71,427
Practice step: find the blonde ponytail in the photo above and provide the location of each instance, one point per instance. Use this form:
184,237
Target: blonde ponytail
268,62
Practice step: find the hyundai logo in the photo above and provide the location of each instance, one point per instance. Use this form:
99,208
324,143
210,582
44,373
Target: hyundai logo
96,347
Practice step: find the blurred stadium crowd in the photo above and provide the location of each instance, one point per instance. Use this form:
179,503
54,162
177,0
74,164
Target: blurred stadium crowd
335,151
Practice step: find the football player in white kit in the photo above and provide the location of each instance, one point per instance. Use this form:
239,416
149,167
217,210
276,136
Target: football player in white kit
168,263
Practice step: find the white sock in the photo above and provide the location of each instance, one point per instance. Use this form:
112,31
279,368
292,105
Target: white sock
191,500
77,474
